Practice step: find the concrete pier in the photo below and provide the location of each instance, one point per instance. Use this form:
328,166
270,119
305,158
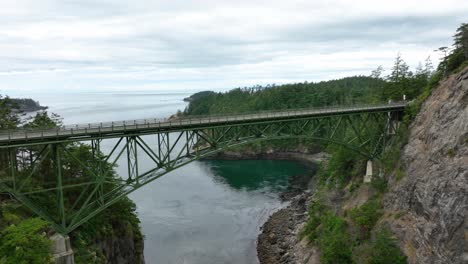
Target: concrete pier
369,172
61,249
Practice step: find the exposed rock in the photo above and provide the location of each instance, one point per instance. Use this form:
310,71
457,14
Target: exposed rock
357,198
120,250
432,196
279,239
118,240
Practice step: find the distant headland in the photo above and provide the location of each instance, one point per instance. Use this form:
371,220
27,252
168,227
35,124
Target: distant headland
26,105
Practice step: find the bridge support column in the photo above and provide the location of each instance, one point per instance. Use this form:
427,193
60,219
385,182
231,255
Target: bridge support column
61,249
369,172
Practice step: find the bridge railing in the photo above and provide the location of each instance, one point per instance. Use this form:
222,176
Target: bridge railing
26,133
294,110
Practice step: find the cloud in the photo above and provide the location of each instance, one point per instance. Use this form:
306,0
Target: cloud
94,45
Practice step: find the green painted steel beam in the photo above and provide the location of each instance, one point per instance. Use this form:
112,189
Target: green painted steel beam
94,189
38,137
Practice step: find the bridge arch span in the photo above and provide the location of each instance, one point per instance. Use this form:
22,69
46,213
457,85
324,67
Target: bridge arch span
169,145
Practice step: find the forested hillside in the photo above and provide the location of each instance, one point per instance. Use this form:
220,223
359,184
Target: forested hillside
343,91
351,90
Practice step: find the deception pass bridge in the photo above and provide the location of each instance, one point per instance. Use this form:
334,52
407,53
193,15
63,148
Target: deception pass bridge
41,164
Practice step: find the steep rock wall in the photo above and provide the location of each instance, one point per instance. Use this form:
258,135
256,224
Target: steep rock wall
124,248
432,195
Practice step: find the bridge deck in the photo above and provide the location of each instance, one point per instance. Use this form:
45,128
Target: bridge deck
149,126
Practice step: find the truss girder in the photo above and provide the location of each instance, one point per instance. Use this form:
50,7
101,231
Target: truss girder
45,171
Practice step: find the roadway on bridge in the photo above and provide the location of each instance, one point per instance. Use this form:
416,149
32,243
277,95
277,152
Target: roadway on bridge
148,126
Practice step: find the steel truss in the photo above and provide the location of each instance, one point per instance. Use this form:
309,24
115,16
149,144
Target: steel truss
48,170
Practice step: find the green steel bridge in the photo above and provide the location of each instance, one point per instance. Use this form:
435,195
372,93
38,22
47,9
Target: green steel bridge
39,164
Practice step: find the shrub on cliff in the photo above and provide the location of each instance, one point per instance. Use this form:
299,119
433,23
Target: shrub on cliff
316,209
384,249
329,232
25,243
366,215
335,242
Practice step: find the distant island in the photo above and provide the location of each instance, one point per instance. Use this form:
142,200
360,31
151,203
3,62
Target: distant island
26,105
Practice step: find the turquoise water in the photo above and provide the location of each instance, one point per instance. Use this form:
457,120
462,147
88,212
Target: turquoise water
205,212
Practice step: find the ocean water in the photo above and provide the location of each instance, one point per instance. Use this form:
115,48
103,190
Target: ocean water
205,212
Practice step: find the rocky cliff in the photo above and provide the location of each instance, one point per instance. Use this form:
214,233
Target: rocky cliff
124,247
432,195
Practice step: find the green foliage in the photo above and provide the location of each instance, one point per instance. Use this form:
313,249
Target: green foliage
451,153
119,220
402,81
399,174
362,253
366,215
458,56
328,231
342,166
316,211
335,242
380,250
354,185
385,250
8,117
42,120
10,218
198,95
350,90
379,184
25,243
460,39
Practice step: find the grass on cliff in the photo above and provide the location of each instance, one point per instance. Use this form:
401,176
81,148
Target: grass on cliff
328,231
333,235
366,216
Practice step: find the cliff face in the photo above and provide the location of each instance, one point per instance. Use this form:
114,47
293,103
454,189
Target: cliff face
432,195
123,248
113,236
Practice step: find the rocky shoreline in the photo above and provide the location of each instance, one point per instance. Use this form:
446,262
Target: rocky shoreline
279,240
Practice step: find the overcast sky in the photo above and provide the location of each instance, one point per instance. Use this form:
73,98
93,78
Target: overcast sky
100,45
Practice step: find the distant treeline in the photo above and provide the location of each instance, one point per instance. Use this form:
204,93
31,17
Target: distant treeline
352,90
344,91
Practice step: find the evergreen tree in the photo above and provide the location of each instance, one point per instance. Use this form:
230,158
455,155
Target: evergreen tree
399,81
8,118
377,72
400,70
461,39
